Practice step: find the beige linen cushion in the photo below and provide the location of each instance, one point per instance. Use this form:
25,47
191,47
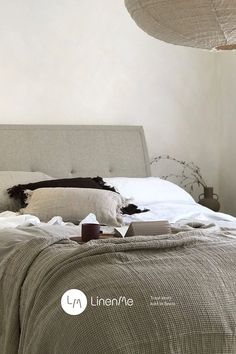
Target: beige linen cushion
74,204
12,178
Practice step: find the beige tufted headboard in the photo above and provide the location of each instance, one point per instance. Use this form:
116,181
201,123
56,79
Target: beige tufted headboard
66,151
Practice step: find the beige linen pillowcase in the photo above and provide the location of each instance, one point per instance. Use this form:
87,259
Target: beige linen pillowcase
11,178
74,204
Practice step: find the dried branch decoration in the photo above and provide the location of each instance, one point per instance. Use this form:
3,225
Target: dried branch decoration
189,176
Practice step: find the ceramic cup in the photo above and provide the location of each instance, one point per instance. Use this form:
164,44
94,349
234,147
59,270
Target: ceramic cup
90,231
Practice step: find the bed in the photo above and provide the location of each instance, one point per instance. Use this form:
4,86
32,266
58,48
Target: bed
167,294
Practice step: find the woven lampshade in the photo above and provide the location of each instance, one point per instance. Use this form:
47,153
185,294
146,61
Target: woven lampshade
194,23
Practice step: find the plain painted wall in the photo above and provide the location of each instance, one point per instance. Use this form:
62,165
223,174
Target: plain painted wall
86,62
227,79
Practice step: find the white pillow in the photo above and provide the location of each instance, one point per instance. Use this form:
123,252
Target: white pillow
11,178
149,189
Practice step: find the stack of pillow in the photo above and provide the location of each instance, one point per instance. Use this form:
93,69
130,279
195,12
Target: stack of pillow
73,199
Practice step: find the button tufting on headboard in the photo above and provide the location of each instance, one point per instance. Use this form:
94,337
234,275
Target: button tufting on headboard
91,150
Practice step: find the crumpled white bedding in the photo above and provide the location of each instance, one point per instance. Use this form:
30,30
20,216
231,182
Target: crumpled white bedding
174,212
180,211
171,211
9,219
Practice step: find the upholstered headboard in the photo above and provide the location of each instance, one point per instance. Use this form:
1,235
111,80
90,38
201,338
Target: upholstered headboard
66,151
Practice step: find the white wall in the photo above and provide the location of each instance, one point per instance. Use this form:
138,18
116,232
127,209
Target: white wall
227,79
86,62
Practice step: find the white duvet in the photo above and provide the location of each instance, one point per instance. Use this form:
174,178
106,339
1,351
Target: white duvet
174,212
166,201
180,212
9,219
171,211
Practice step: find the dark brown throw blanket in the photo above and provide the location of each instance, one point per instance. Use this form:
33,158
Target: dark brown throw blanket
18,192
183,288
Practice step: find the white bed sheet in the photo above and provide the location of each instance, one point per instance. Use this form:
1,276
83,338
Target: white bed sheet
179,212
174,212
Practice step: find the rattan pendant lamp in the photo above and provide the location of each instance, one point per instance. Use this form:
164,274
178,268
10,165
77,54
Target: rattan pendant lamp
193,23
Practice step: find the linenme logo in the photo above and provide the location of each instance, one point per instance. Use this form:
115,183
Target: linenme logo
121,300
74,302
